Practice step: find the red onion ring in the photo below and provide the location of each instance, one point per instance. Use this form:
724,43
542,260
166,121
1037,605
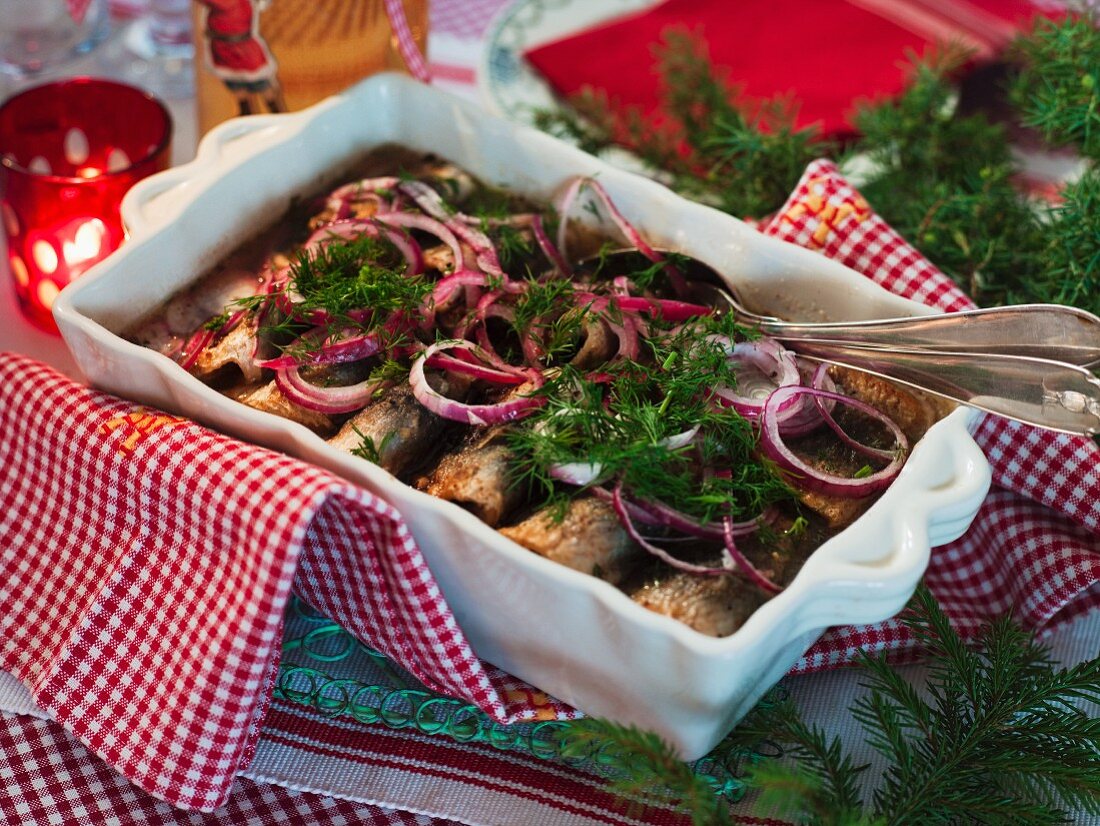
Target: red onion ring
807,416
329,400
577,473
548,248
667,516
633,237
627,334
625,520
774,365
429,200
193,347
664,308
742,563
412,220
346,346
475,414
459,365
773,446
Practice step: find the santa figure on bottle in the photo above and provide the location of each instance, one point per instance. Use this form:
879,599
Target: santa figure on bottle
238,54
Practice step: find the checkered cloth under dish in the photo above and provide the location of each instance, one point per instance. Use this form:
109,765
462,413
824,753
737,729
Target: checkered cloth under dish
145,561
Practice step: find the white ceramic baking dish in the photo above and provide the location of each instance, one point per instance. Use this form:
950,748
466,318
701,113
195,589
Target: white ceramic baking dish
571,635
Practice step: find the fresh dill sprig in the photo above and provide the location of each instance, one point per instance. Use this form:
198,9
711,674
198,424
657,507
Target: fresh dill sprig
217,322
366,272
367,449
714,150
625,420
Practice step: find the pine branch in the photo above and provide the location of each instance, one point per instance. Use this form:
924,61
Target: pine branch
1058,87
1011,741
649,769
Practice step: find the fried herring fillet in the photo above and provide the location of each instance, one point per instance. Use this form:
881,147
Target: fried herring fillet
588,538
712,605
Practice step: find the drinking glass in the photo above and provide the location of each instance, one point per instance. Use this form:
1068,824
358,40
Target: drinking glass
154,49
36,35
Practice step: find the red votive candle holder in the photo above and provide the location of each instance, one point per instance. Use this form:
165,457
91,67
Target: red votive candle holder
69,151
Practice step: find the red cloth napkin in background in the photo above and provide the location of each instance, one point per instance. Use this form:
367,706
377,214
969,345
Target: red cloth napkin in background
145,561
827,55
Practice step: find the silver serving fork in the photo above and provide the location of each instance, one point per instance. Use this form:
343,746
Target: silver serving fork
1027,362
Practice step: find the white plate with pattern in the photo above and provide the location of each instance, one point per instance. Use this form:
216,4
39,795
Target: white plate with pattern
509,85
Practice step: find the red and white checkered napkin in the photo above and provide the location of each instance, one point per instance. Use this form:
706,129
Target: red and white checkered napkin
1034,547
144,566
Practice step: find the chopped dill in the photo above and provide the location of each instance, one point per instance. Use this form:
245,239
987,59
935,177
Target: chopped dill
514,246
216,323
624,421
367,272
367,449
390,370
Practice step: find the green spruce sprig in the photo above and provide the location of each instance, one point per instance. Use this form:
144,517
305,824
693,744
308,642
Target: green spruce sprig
648,770
1058,87
994,737
742,156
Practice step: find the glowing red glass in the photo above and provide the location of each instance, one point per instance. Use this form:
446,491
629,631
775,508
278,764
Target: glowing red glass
69,151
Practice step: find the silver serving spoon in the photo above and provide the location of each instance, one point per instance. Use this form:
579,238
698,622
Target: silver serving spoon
1025,362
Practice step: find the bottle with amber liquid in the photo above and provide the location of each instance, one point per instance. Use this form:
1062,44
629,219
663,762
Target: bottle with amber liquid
257,56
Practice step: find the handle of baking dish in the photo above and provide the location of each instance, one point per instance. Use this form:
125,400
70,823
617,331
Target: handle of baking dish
222,137
142,206
139,207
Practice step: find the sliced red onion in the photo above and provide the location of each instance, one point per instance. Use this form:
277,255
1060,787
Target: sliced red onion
317,347
806,416
479,371
346,230
636,513
669,517
664,308
679,440
489,352
625,520
577,473
328,400
475,414
357,190
810,478
409,249
548,249
771,366
569,197
429,200
627,334
413,220
447,288
193,347
741,562
827,415
633,237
